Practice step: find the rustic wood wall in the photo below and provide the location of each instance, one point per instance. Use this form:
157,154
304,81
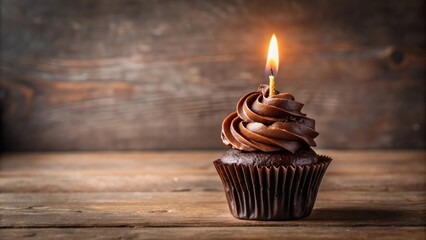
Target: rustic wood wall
115,75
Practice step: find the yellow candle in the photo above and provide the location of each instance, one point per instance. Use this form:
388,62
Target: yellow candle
271,85
272,63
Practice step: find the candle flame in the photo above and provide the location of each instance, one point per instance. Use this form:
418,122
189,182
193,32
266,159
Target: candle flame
273,58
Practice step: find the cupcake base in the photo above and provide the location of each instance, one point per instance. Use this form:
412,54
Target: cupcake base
271,193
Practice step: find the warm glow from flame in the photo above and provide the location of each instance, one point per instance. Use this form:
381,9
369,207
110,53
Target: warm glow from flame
273,58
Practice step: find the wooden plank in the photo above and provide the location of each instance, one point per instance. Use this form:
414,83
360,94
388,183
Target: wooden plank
63,162
333,208
187,182
294,232
193,171
96,75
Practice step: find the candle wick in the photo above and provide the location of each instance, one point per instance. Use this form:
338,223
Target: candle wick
272,72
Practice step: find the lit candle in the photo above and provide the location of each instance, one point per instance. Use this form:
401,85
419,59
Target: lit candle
272,63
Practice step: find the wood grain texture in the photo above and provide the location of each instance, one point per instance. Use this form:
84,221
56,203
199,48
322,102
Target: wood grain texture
183,172
295,232
113,75
206,209
152,195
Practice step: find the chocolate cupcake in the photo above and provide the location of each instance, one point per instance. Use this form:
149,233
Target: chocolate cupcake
271,172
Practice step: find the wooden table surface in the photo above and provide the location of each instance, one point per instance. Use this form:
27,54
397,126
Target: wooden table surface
178,195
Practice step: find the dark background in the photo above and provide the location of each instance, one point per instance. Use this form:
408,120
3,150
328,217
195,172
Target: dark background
120,75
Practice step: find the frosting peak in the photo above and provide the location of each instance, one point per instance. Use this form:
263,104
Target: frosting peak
268,123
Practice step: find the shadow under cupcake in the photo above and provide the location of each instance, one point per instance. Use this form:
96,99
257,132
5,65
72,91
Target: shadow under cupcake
271,172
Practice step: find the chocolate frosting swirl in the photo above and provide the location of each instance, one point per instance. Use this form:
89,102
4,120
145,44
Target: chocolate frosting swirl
268,123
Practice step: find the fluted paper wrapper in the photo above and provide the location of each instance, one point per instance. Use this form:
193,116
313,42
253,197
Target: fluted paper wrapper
271,193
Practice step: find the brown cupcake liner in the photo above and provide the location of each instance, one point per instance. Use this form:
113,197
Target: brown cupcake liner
271,193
